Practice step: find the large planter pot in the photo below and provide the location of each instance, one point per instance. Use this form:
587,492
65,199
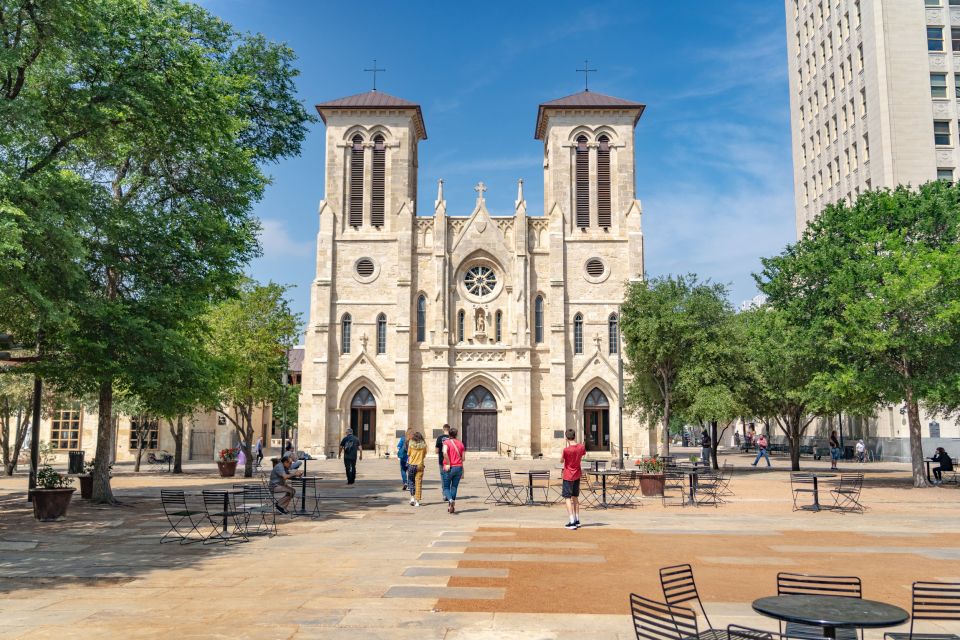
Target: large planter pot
50,505
86,487
651,484
227,469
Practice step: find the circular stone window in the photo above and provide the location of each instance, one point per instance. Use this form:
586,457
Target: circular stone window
595,270
366,270
480,281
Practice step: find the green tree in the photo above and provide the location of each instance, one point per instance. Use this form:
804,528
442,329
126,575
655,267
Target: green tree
879,281
16,411
140,129
250,336
669,324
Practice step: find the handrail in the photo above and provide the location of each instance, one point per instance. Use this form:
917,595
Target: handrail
511,451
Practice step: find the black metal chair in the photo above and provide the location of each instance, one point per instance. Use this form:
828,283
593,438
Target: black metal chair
709,485
805,584
674,487
653,620
737,632
680,588
502,489
540,481
220,512
258,503
800,483
590,491
846,494
932,601
626,488
179,515
159,461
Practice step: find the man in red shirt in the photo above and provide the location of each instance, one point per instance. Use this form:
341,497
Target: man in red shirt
572,455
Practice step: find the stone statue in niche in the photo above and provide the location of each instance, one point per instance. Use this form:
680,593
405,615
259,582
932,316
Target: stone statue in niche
480,322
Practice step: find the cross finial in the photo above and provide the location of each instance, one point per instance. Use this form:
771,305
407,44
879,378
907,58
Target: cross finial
480,189
374,70
586,71
363,340
598,340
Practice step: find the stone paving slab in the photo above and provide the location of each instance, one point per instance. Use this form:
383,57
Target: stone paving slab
460,593
513,557
458,572
499,544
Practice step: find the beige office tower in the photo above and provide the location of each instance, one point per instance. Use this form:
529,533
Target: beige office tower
874,88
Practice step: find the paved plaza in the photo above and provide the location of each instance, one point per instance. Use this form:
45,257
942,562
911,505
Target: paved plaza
375,567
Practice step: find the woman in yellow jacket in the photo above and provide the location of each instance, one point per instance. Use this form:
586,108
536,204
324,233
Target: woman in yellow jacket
416,456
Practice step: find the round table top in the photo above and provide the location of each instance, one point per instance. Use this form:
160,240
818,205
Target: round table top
526,473
831,611
603,472
822,474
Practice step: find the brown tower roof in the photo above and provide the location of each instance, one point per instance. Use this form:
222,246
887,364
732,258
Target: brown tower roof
372,100
584,100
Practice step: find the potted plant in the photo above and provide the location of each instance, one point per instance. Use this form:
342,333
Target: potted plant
52,495
86,479
227,463
651,476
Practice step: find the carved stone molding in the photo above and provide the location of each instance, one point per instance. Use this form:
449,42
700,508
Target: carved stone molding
481,355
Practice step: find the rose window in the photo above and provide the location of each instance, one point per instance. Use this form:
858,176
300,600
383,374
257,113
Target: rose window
480,281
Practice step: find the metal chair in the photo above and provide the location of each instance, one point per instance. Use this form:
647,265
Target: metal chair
179,515
737,632
800,483
220,511
846,495
709,485
503,490
805,584
932,601
590,491
673,486
159,461
653,620
626,488
679,588
540,481
258,502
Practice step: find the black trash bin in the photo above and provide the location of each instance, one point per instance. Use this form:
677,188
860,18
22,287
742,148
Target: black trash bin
76,462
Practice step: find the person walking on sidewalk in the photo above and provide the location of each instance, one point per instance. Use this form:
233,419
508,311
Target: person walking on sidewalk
440,440
570,458
349,449
835,450
402,455
416,464
453,454
762,450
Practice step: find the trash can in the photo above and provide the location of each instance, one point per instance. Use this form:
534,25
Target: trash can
76,462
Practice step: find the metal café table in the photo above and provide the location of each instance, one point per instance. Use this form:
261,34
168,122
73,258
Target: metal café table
302,511
603,473
595,463
691,471
927,461
816,490
831,612
529,475
225,536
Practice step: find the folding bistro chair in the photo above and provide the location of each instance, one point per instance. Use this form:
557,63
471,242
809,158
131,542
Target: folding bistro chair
679,588
673,487
625,488
541,484
800,483
709,484
183,520
805,584
932,601
653,620
846,495
220,512
737,632
502,488
589,489
258,503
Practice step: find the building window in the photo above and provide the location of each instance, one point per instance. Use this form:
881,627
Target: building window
578,333
613,333
866,148
860,63
603,183
934,38
941,133
381,334
954,3
145,430
863,102
945,174
955,38
422,318
65,429
356,182
538,320
480,280
931,3
938,85
498,326
379,180
346,324
956,81
460,316
583,183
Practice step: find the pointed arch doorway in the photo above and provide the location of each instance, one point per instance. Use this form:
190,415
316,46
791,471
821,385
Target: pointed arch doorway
363,418
596,421
479,422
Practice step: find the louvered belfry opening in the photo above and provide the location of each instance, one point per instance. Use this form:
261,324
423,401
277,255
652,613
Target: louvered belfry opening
356,182
603,183
379,181
583,183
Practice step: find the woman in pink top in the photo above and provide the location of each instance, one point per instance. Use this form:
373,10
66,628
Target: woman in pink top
453,454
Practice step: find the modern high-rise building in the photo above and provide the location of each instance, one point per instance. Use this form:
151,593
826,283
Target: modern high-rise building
874,92
874,86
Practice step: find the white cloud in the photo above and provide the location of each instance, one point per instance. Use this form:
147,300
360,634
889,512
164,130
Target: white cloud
279,245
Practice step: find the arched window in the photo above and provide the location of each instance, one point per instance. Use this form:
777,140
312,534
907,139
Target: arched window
583,183
603,183
356,182
460,316
498,326
480,399
345,325
381,333
613,333
422,318
596,398
538,320
578,333
379,180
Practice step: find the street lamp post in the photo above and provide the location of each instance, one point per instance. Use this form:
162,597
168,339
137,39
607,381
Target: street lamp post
620,383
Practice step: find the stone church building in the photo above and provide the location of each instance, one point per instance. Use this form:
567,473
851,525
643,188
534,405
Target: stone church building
505,326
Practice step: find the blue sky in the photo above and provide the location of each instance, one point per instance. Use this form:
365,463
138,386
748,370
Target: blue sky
713,147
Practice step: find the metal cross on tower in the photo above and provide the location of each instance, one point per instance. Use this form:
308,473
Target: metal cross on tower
586,71
374,70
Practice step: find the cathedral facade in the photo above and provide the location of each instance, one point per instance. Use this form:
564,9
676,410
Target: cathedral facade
505,326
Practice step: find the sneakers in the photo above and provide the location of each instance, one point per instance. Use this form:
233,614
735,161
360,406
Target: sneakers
576,523
281,509
404,488
416,503
413,502
570,526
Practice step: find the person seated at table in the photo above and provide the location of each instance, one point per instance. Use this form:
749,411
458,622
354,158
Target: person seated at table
278,482
946,464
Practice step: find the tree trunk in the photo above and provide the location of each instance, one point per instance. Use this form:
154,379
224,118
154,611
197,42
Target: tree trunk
713,444
247,436
794,437
177,445
665,442
136,465
916,442
102,493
